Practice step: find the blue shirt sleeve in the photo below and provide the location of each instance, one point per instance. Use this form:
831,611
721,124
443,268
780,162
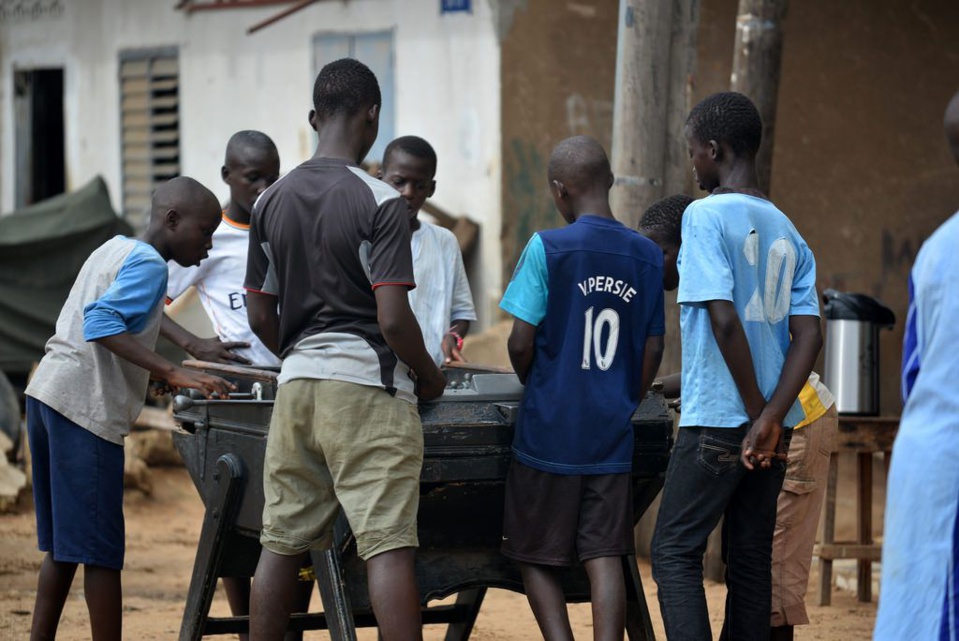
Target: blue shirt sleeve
128,303
910,346
804,300
526,295
705,271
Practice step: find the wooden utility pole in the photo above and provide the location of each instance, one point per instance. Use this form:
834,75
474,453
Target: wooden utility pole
640,106
655,58
757,61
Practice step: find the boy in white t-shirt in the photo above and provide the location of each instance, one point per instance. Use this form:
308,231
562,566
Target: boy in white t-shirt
442,301
252,164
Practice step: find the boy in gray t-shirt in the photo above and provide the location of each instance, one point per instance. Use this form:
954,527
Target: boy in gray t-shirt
87,390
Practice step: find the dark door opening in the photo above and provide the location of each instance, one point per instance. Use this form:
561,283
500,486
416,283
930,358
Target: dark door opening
38,110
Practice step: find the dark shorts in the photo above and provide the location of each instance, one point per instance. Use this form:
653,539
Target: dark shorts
77,490
554,519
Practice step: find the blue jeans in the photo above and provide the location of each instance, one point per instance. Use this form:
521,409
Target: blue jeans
704,482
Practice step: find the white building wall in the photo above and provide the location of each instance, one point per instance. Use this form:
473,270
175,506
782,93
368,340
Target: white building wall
446,77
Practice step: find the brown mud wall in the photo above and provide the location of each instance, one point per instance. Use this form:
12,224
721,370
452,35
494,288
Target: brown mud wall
860,164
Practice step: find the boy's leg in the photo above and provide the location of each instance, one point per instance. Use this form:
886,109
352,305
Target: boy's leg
299,504
547,601
373,443
271,598
540,516
55,578
81,476
53,587
748,536
394,595
607,592
797,519
104,595
703,473
604,535
237,590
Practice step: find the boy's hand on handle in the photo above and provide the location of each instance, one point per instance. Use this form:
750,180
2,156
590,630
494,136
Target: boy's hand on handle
450,352
213,350
430,386
763,444
211,386
160,388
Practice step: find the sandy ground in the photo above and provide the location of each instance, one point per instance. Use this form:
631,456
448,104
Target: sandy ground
162,532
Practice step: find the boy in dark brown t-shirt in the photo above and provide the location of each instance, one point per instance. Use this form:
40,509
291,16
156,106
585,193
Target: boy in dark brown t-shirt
330,249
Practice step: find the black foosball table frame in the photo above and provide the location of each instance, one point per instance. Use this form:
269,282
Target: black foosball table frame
467,438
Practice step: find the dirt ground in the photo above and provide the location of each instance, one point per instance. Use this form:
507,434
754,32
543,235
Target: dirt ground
162,532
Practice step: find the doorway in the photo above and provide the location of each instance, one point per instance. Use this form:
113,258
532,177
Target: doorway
39,135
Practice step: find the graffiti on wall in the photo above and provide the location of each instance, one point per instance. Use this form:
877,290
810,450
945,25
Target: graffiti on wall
30,10
529,205
590,117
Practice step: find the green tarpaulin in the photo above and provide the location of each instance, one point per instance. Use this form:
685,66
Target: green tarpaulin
42,249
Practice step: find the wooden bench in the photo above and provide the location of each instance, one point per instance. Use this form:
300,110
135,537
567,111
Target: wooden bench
863,436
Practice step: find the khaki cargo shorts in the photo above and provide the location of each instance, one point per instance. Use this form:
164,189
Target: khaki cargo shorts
331,444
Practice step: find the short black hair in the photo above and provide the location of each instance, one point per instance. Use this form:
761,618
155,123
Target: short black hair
344,86
581,162
248,139
666,217
414,146
728,117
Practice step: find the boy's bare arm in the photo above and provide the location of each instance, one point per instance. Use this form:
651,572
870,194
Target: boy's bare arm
800,358
264,319
672,385
521,346
128,348
403,335
652,357
731,338
204,349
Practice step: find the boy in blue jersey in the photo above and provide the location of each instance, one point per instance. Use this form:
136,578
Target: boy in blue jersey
88,389
747,282
587,340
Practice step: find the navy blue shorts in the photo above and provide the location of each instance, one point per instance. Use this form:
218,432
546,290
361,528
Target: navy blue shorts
77,490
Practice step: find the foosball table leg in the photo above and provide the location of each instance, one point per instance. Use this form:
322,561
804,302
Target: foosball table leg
472,600
336,603
639,625
220,515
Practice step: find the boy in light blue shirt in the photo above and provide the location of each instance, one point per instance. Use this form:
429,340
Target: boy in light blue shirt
747,282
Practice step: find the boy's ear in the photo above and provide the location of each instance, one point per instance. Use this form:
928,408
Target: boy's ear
610,181
715,150
225,173
372,114
311,118
560,189
171,219
432,189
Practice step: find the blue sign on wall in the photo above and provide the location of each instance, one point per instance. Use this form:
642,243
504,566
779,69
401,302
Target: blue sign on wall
451,6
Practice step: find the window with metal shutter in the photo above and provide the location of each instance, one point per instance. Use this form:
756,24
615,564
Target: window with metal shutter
149,126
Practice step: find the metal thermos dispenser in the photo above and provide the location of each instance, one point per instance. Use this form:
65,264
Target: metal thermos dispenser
851,371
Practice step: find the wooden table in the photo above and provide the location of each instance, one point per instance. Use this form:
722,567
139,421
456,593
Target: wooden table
862,436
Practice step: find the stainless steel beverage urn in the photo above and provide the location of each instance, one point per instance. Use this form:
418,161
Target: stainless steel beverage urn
851,371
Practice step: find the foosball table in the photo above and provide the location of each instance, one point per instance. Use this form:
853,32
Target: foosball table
467,433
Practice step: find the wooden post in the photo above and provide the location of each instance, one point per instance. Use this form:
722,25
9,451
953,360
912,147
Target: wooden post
640,105
757,60
655,58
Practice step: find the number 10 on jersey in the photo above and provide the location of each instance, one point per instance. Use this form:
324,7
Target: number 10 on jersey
593,336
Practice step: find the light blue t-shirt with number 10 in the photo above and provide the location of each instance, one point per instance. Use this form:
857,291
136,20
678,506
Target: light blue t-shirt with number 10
741,249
